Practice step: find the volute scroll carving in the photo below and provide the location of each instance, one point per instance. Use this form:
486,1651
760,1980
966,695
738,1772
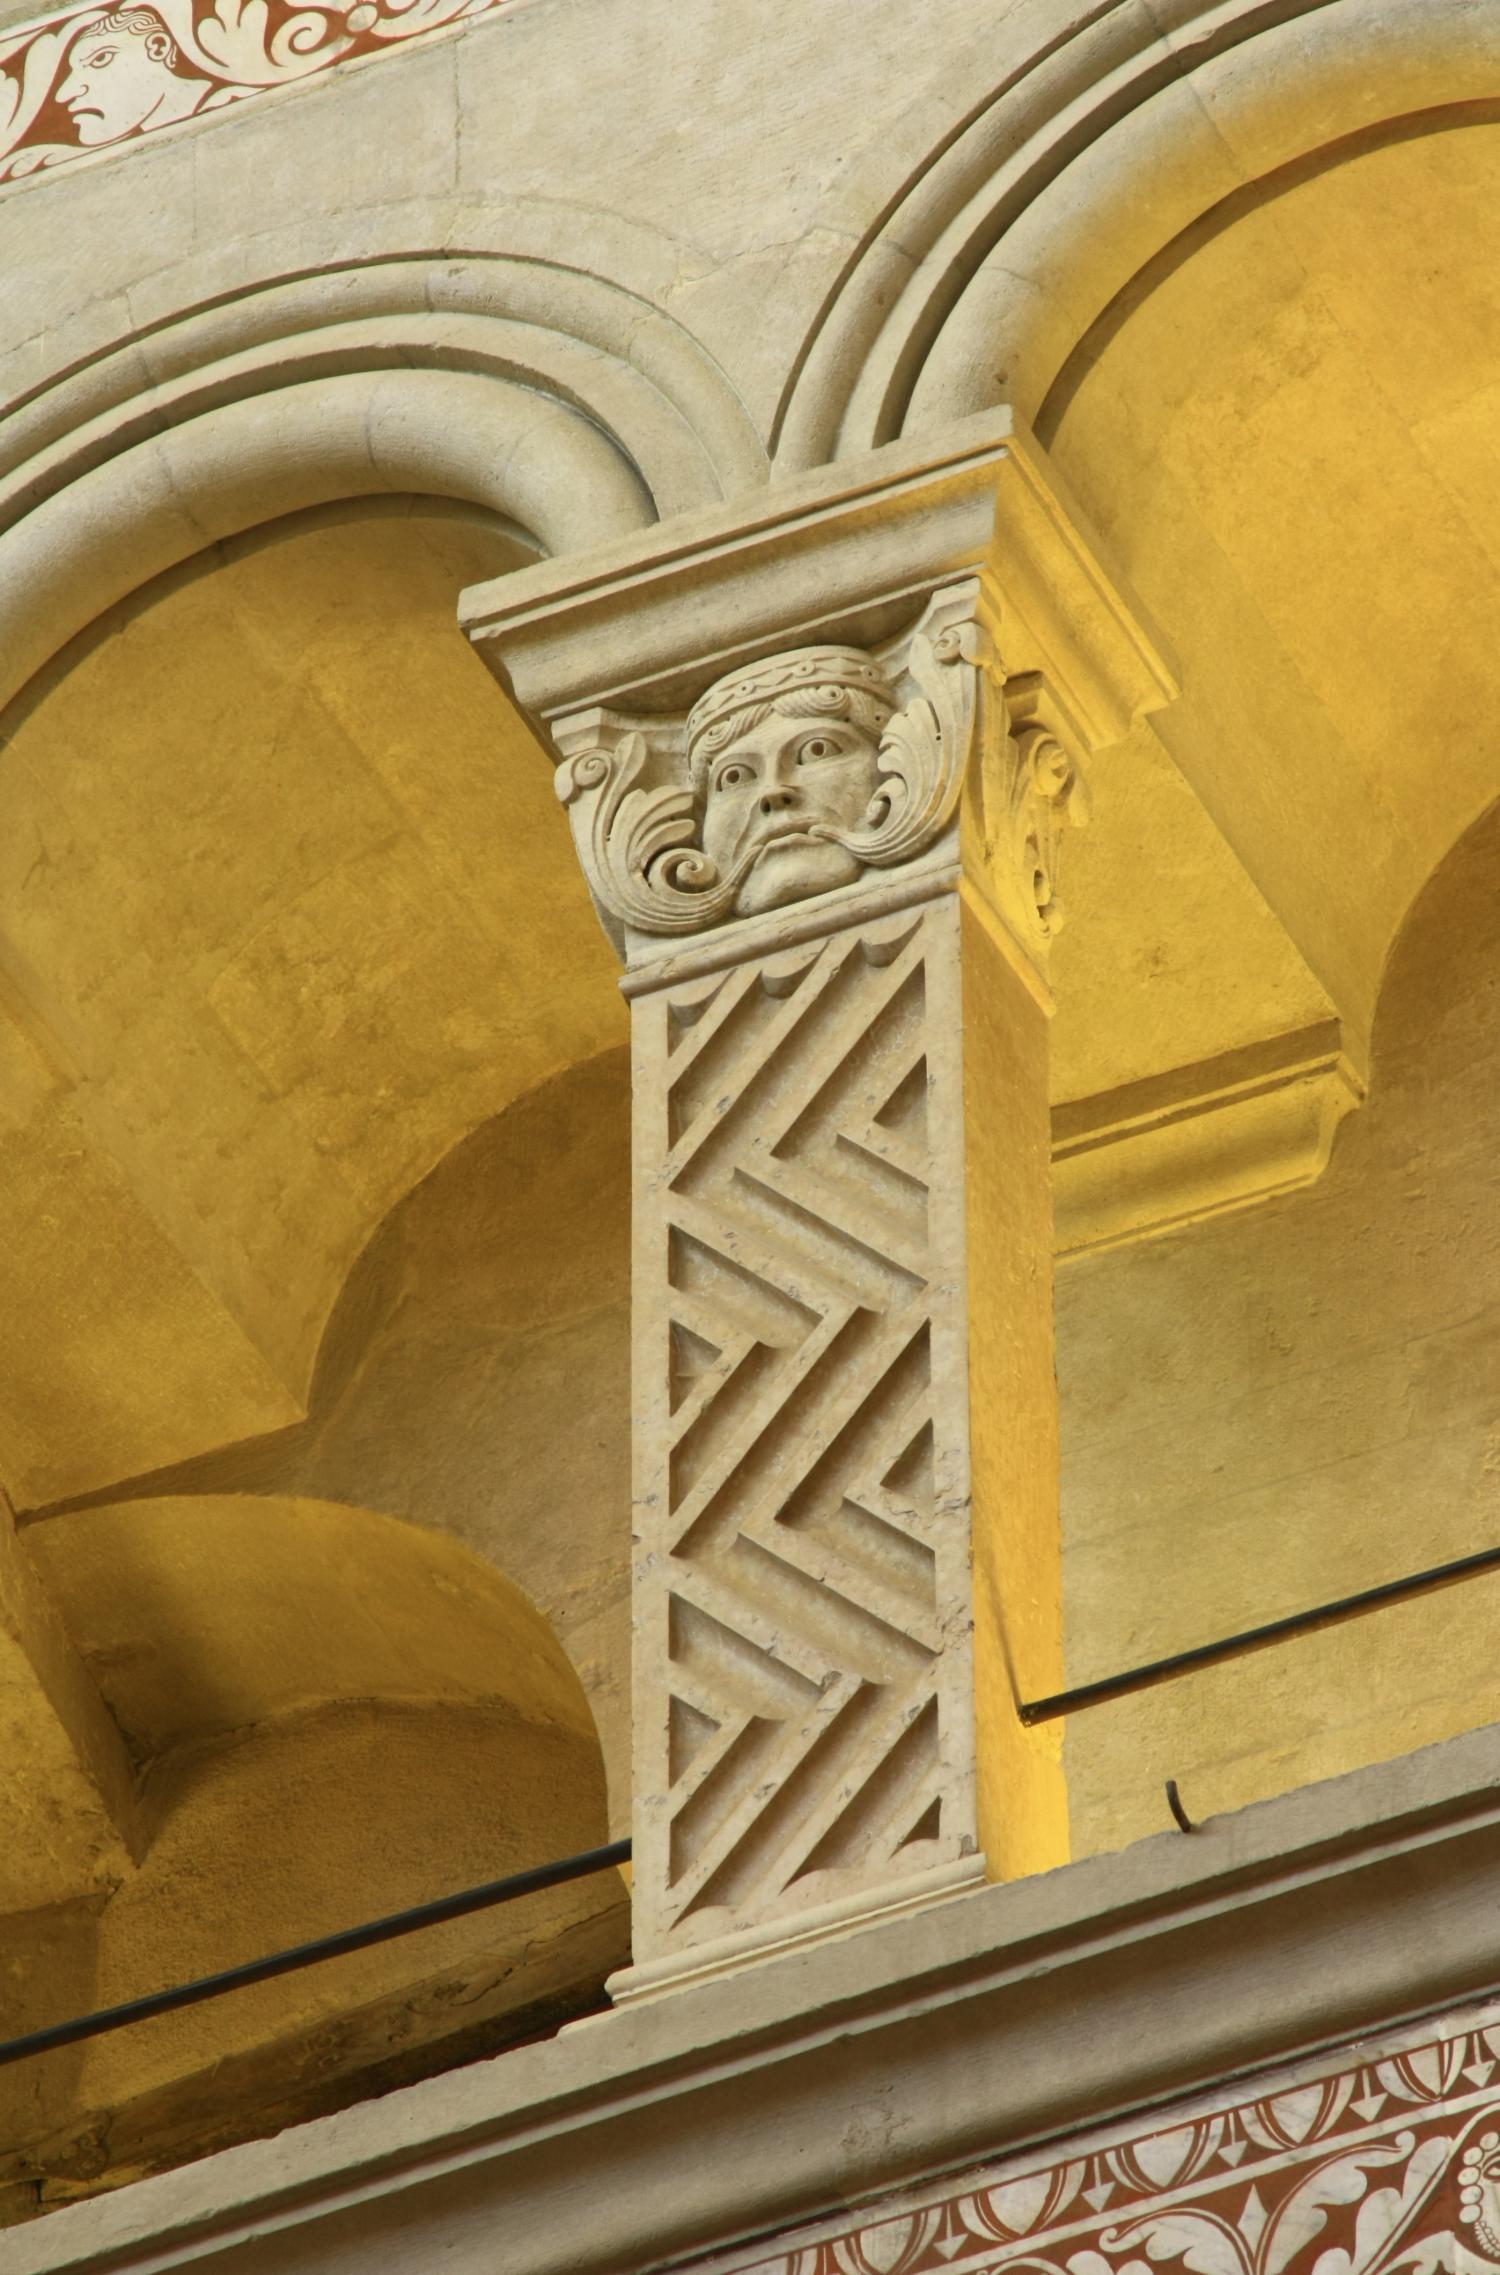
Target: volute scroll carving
789,777
1027,790
807,770
636,840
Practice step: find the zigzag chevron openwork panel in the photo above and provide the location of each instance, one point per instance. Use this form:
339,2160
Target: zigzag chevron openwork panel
803,1677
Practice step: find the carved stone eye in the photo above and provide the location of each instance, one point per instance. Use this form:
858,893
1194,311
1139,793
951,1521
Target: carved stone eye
730,777
817,746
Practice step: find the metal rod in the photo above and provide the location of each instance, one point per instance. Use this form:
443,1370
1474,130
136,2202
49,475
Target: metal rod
325,1947
1256,1638
1174,1803
567,1868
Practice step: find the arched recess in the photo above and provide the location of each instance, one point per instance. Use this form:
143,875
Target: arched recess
475,1378
1275,1411
1174,245
562,401
304,805
332,1715
173,450
288,907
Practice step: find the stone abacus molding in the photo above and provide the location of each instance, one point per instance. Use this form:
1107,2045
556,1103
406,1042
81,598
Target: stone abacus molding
1383,2160
169,60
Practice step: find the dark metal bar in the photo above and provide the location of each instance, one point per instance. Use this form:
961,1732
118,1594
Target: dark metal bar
1174,1803
1256,1638
325,1947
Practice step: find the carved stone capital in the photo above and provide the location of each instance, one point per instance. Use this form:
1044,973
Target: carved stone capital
794,695
790,777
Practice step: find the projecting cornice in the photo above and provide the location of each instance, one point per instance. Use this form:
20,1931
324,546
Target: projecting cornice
905,2052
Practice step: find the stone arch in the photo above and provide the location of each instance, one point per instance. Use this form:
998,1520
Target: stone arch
564,403
978,279
536,464
333,1715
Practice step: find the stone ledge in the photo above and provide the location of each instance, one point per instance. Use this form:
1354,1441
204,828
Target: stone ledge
984,2025
1200,1141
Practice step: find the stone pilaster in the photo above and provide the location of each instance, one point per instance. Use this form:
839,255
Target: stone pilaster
818,752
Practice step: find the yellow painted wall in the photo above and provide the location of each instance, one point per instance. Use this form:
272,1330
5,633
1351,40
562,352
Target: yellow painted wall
1296,1403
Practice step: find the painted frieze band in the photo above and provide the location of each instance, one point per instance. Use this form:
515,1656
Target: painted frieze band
1382,2160
92,78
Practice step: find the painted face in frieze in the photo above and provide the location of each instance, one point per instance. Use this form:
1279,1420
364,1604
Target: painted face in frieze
784,768
123,74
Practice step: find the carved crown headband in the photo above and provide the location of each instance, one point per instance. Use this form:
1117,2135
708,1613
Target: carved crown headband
640,839
803,671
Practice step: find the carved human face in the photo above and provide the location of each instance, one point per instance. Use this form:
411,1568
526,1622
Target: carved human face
117,81
770,787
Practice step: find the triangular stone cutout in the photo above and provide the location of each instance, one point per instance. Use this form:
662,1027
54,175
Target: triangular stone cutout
688,1729
909,1477
928,1826
692,1356
905,1111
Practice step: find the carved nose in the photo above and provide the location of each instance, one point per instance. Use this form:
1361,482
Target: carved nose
776,801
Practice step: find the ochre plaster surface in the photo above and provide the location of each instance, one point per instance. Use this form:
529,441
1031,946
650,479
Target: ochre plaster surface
1296,1404
475,1377
330,1715
1305,492
267,936
289,923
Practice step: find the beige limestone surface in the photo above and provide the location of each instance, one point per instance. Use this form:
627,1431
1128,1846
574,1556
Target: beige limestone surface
261,963
999,2023
819,754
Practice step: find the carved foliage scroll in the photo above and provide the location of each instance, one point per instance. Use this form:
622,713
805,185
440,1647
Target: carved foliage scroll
95,77
1026,791
1389,2165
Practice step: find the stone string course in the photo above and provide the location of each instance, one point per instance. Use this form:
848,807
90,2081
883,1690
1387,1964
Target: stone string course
1389,2165
97,77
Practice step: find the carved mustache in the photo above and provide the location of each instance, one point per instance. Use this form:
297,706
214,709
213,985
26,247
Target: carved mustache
742,857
